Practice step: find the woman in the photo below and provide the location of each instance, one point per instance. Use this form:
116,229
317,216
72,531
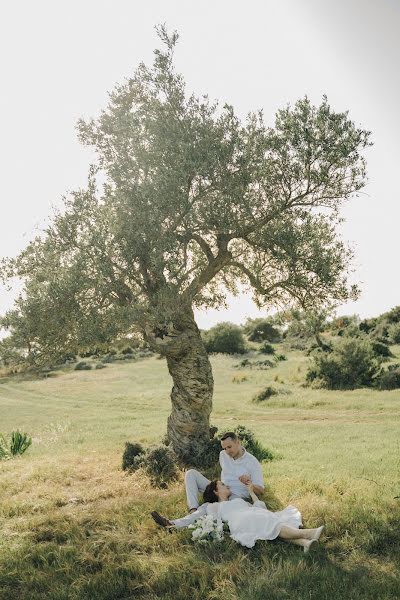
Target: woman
249,523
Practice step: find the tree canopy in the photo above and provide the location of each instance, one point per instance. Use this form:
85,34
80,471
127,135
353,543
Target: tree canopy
194,202
185,203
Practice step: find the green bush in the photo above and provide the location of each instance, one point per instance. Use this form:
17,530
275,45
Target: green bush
132,457
351,364
226,338
264,394
266,348
251,444
82,366
381,349
127,350
100,366
394,333
259,330
390,379
280,357
160,464
108,358
17,444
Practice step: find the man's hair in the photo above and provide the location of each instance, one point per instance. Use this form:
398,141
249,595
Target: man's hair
228,434
209,494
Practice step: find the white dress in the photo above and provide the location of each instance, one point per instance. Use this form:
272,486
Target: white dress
251,522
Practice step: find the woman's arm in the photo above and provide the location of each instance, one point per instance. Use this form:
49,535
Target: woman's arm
250,487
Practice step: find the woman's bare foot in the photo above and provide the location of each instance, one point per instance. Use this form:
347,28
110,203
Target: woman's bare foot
310,545
312,534
318,532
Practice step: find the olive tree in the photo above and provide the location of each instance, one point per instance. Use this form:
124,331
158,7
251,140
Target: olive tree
191,203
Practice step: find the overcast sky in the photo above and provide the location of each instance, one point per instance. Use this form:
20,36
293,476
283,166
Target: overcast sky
60,58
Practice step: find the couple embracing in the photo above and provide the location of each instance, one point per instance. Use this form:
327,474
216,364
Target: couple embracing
228,499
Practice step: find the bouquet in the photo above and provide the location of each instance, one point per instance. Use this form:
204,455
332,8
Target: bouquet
207,529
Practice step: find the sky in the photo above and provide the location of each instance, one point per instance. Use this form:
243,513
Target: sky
59,60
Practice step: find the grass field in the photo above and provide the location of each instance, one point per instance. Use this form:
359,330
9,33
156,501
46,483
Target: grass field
74,526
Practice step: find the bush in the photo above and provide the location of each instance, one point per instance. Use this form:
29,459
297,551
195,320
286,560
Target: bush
108,358
351,364
160,465
280,357
252,445
394,333
225,337
264,394
132,457
259,330
266,348
82,366
17,444
100,366
255,364
390,379
381,349
127,350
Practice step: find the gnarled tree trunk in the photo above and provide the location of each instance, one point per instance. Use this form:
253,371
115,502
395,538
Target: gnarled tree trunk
193,385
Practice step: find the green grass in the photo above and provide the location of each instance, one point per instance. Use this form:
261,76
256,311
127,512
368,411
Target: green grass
74,526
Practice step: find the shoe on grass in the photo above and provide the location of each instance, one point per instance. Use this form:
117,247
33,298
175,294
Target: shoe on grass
160,520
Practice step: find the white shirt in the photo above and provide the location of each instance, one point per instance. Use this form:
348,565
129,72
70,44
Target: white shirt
232,469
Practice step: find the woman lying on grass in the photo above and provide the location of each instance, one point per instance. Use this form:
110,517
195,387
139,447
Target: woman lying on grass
249,523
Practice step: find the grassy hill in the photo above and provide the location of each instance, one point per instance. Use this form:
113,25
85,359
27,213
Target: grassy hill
74,526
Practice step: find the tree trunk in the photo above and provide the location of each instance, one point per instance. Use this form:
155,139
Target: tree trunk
189,366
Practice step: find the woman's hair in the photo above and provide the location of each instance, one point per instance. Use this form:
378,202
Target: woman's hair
209,494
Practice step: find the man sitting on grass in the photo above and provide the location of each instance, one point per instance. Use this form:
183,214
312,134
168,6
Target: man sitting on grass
239,468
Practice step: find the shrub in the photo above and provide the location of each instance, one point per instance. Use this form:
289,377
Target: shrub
259,330
251,444
255,364
160,465
390,379
394,333
17,444
266,348
100,366
127,350
132,457
381,349
280,357
225,337
108,358
264,394
351,364
82,366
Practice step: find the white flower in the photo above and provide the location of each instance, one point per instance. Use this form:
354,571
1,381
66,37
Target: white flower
207,528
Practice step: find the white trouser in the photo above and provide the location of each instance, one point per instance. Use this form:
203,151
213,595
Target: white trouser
195,483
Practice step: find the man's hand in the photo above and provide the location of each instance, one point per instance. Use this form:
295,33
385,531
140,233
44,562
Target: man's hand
246,479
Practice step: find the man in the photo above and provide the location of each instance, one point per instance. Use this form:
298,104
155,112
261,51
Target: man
238,469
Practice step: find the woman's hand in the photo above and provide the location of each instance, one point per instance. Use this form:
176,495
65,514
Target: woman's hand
250,486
